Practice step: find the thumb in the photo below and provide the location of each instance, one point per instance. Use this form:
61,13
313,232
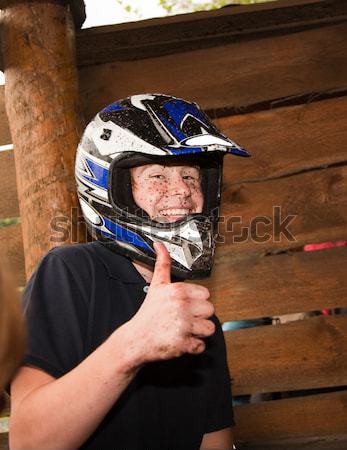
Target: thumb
162,268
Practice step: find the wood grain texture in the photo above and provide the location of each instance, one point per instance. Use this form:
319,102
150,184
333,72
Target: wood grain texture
77,8
42,104
187,32
11,252
312,205
9,196
317,420
287,140
230,76
280,284
306,354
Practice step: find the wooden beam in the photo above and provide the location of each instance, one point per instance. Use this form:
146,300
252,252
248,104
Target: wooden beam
77,8
188,32
314,422
231,78
305,354
291,283
42,104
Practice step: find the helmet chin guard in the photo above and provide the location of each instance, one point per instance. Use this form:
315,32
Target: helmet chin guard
151,129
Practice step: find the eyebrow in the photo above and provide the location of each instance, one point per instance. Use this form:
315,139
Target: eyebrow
154,167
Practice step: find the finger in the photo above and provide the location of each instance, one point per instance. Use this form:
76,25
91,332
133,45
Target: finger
162,268
196,346
203,328
197,291
201,308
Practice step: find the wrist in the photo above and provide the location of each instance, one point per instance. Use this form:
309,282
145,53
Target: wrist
131,357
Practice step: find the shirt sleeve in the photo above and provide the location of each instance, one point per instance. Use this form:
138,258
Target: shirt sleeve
220,409
56,316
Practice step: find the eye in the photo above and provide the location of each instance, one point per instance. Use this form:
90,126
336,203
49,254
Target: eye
194,177
157,176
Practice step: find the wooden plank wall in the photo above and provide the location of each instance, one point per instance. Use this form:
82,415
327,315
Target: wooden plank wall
283,95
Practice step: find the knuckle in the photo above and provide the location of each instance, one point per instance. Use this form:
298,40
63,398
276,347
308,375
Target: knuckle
207,293
209,309
176,291
202,292
197,346
211,327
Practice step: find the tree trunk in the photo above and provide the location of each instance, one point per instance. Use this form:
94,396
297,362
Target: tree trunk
41,96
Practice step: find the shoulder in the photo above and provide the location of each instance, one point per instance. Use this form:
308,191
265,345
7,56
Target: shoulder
66,266
87,262
74,259
71,253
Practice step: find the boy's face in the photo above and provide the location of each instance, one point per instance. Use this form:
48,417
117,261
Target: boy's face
167,193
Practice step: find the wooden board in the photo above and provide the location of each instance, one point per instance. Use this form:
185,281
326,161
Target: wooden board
11,252
321,419
280,284
311,204
8,198
280,143
306,354
186,32
229,78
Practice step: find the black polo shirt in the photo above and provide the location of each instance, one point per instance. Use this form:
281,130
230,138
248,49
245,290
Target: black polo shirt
76,298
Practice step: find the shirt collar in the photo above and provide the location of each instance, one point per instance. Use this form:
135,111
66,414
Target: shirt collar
118,267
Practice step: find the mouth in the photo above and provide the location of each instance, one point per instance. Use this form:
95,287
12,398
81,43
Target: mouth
173,214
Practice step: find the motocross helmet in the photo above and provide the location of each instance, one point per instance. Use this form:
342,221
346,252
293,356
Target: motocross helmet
151,129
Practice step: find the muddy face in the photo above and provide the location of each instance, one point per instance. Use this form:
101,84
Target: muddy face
167,193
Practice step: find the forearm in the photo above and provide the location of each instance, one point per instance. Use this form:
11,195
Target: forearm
62,414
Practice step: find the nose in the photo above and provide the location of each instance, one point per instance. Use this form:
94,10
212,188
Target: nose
178,186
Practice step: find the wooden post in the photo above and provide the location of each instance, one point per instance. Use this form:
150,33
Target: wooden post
41,96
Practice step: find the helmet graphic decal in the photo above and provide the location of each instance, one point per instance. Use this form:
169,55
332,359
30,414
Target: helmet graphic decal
125,235
120,138
95,173
92,175
137,100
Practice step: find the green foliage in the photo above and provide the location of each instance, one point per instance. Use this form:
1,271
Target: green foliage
128,7
9,221
187,6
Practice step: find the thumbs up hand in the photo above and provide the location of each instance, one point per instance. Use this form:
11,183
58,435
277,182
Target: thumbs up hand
173,318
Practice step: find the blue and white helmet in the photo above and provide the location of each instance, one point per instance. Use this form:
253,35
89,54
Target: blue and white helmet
147,129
